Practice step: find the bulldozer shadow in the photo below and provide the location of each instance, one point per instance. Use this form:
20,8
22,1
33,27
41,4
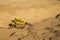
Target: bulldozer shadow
24,26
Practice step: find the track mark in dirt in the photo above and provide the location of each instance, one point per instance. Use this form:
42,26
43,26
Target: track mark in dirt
12,34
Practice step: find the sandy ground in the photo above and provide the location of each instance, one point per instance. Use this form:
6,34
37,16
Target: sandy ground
33,11
29,10
48,29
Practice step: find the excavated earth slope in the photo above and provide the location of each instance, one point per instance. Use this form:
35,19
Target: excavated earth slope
48,29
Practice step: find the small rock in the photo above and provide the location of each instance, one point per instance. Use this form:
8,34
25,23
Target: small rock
57,16
50,38
19,39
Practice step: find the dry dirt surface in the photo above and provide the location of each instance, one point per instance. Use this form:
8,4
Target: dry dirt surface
48,29
40,13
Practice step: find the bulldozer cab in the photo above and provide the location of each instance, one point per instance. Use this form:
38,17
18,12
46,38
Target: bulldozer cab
18,21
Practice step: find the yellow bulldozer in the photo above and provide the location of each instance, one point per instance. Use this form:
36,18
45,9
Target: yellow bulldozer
18,22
